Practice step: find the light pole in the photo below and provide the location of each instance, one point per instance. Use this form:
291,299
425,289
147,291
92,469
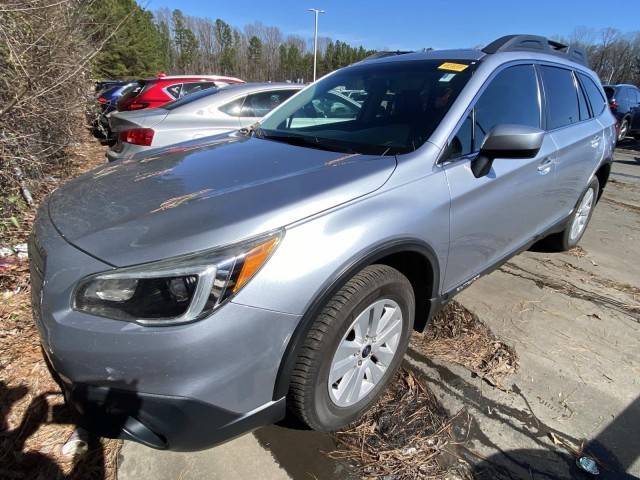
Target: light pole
315,41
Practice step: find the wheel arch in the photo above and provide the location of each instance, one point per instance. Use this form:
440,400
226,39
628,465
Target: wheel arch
602,174
409,256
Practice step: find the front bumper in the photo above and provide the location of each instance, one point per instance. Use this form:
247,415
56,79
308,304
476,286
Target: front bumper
184,387
160,421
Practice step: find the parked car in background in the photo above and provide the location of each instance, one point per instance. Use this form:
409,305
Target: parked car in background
201,114
155,92
106,103
624,102
102,85
186,297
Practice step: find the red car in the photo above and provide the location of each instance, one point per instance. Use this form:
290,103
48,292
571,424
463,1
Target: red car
155,92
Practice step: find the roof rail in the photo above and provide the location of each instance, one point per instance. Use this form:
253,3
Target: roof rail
536,43
384,53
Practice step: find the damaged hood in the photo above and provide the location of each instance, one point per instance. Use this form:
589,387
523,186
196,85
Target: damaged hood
192,197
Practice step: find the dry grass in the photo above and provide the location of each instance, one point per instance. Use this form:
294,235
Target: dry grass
34,423
578,252
401,437
457,335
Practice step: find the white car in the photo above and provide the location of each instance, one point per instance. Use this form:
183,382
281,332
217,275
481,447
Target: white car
198,115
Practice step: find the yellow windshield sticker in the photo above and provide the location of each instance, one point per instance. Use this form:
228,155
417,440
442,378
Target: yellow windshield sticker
453,67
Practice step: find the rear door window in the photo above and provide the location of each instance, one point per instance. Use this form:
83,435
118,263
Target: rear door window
189,88
259,104
597,101
511,97
561,97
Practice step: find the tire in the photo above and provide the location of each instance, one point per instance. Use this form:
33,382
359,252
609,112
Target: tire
624,129
567,239
335,332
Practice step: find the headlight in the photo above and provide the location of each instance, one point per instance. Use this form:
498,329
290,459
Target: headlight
178,290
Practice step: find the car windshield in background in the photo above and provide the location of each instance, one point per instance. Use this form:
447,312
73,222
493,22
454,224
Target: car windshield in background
190,98
379,108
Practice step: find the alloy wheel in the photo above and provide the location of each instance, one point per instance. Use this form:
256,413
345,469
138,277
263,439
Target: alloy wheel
365,352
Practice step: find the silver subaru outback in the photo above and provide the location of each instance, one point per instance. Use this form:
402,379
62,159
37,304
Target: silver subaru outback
197,292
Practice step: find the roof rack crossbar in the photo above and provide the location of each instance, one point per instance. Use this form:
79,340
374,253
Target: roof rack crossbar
536,43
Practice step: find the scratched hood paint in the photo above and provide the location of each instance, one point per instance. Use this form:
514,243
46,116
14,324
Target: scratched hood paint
190,198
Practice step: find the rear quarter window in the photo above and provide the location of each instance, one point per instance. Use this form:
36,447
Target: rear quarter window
561,97
233,108
594,94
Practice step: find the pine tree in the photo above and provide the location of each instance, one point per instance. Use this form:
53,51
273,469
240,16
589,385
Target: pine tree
134,50
185,41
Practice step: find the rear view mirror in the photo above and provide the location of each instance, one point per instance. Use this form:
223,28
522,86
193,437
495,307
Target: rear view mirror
507,141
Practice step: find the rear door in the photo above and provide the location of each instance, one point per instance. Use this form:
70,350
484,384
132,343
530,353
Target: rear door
578,137
494,215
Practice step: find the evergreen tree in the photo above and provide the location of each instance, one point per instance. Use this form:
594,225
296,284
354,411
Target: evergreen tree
134,50
185,41
224,39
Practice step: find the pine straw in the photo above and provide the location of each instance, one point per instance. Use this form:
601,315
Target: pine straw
457,335
34,423
401,437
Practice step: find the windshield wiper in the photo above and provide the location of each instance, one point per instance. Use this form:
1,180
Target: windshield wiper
301,141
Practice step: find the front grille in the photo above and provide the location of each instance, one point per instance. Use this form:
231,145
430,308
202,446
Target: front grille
37,266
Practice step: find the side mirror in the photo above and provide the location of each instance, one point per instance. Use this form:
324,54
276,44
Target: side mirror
507,141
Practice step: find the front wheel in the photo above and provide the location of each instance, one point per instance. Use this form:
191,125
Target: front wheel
573,232
353,349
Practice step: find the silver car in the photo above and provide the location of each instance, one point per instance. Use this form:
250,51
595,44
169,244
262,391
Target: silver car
198,115
189,295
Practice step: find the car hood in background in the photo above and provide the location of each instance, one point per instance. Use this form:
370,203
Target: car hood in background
119,121
190,198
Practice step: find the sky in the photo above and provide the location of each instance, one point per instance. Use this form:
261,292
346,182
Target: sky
415,24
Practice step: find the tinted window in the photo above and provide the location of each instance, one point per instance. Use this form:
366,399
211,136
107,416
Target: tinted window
511,97
582,103
398,107
189,88
259,104
562,98
233,108
609,91
594,94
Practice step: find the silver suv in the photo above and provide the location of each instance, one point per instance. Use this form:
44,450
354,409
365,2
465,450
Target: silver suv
192,294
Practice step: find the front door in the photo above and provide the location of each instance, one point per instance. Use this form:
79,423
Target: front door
494,215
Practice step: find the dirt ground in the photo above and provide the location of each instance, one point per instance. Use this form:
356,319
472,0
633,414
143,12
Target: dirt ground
574,321
34,422
556,372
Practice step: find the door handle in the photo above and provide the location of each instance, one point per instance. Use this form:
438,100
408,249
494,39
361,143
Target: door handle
545,166
595,142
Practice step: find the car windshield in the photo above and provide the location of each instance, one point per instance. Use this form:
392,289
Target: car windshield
187,99
377,108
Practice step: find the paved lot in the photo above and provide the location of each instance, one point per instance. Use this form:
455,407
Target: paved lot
574,321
